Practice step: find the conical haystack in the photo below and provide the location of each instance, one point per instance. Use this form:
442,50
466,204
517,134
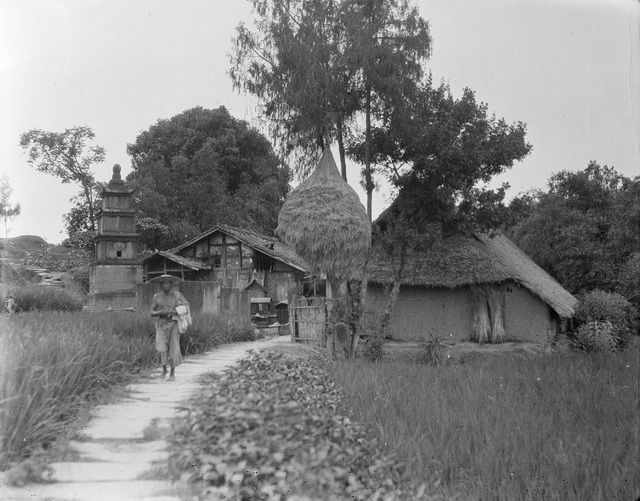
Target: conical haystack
324,221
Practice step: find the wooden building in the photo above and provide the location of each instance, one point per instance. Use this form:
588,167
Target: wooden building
439,291
238,259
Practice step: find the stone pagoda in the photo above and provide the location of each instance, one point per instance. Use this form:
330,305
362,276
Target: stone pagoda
116,269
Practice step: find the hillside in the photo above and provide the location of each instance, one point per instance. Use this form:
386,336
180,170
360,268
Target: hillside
23,260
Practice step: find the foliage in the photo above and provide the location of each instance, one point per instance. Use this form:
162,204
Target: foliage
506,426
44,298
436,153
55,362
584,229
432,351
373,349
629,280
7,210
279,431
201,168
601,314
67,156
78,221
316,65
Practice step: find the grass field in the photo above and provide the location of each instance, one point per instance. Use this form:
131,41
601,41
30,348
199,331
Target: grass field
54,364
505,427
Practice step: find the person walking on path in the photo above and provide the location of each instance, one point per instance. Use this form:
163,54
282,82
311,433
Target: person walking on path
171,311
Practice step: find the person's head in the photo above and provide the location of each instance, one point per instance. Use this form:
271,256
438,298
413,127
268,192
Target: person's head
166,285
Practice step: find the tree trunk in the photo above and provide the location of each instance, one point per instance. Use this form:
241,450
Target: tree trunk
367,153
340,137
362,309
395,291
329,319
88,192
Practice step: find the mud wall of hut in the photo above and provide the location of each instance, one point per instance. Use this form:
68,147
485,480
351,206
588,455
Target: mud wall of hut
527,317
421,312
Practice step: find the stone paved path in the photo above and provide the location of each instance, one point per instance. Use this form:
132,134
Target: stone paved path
120,451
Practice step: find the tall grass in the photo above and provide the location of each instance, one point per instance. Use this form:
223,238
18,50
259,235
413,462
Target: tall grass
561,427
43,298
52,363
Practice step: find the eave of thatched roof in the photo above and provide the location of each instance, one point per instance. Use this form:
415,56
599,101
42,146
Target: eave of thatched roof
269,246
192,264
324,221
481,259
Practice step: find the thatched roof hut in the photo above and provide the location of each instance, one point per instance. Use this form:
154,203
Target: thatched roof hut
437,289
477,260
325,223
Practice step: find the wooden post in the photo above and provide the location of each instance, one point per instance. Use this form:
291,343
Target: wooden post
328,327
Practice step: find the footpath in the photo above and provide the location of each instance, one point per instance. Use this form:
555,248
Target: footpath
121,454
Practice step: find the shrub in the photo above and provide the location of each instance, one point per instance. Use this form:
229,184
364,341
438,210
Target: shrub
597,310
431,351
44,298
373,349
629,280
275,427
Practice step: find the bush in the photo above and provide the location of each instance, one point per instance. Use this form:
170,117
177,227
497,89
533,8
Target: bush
629,280
604,319
373,349
44,298
276,427
431,351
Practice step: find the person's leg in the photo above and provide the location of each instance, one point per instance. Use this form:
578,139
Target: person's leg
172,374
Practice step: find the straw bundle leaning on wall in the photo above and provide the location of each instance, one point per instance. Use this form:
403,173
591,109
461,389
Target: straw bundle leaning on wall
325,223
481,328
494,298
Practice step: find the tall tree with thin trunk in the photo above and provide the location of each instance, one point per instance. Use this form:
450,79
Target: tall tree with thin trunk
66,155
7,210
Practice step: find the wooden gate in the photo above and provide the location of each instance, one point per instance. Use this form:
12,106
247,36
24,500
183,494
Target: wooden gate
309,321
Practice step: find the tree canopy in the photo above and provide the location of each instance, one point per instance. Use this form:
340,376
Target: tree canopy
8,210
584,230
201,168
67,155
439,152
316,65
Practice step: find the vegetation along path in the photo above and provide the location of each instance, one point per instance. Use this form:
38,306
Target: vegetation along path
121,453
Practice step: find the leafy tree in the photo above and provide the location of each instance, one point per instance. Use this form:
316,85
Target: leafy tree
67,156
201,168
7,210
438,152
294,63
315,64
585,229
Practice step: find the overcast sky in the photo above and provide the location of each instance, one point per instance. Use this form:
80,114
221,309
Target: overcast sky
569,69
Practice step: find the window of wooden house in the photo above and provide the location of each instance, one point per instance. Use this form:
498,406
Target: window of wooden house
247,256
233,256
263,262
217,255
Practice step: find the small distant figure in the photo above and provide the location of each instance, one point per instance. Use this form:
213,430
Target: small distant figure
10,305
171,310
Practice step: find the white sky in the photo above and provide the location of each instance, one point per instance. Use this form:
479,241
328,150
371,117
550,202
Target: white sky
569,69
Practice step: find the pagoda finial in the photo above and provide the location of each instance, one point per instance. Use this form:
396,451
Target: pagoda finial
116,178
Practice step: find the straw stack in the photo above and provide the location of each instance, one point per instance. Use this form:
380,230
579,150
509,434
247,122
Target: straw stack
325,223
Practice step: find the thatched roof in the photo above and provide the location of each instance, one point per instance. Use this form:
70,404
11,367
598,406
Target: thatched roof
462,261
325,223
270,246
